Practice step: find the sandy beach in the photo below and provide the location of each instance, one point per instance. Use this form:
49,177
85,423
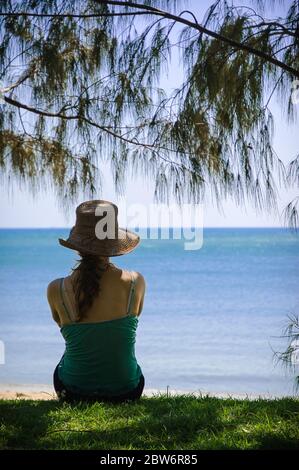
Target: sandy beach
46,392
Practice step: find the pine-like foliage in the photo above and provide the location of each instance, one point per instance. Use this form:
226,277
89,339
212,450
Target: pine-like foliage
81,87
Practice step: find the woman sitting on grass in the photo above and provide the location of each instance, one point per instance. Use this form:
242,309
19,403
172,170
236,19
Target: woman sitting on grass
97,309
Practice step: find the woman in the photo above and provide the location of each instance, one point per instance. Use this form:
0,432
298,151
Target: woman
97,308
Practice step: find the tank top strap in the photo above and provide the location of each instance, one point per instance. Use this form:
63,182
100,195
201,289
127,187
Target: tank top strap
69,314
131,295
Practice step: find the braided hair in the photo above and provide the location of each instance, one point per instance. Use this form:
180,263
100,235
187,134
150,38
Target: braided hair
87,279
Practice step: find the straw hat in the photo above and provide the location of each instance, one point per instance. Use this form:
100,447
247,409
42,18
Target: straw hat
97,233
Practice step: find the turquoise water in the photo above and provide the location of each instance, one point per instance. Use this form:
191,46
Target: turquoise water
211,321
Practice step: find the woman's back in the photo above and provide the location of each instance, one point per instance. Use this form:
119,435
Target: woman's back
100,347
110,302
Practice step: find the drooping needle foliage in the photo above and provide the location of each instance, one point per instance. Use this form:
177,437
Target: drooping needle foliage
81,86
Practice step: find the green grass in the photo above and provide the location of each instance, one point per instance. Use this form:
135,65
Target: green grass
160,422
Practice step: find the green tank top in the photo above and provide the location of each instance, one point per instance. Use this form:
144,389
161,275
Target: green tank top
100,357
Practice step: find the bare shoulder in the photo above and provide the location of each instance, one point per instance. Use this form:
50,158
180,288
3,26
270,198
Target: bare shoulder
140,281
52,289
140,288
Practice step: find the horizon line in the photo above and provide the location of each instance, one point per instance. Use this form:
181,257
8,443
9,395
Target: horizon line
154,227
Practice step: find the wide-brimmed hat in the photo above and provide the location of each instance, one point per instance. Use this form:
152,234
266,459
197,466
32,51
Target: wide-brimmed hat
96,231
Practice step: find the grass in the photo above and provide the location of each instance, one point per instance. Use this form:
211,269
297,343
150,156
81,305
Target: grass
157,423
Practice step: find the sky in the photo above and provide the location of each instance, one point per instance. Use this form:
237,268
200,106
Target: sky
19,208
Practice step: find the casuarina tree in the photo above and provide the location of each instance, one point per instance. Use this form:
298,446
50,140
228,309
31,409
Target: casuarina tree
81,87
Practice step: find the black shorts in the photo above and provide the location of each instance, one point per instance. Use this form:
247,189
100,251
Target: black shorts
67,395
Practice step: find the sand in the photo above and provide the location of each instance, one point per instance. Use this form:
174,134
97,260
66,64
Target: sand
46,392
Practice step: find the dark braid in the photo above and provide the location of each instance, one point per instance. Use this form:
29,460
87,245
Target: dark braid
88,274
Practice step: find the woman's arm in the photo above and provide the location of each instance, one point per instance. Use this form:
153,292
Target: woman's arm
50,296
141,290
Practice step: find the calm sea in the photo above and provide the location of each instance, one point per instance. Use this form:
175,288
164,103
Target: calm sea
212,318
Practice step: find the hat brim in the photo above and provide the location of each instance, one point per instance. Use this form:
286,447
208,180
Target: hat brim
126,242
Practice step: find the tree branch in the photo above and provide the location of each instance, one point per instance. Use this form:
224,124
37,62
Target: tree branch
204,30
294,34
72,15
22,79
155,11
59,115
108,130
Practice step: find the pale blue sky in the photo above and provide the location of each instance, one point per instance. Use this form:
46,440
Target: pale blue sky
19,208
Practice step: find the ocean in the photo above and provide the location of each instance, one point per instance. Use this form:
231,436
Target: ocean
212,320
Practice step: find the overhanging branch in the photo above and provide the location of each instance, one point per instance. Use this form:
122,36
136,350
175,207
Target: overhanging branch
108,130
147,9
204,30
